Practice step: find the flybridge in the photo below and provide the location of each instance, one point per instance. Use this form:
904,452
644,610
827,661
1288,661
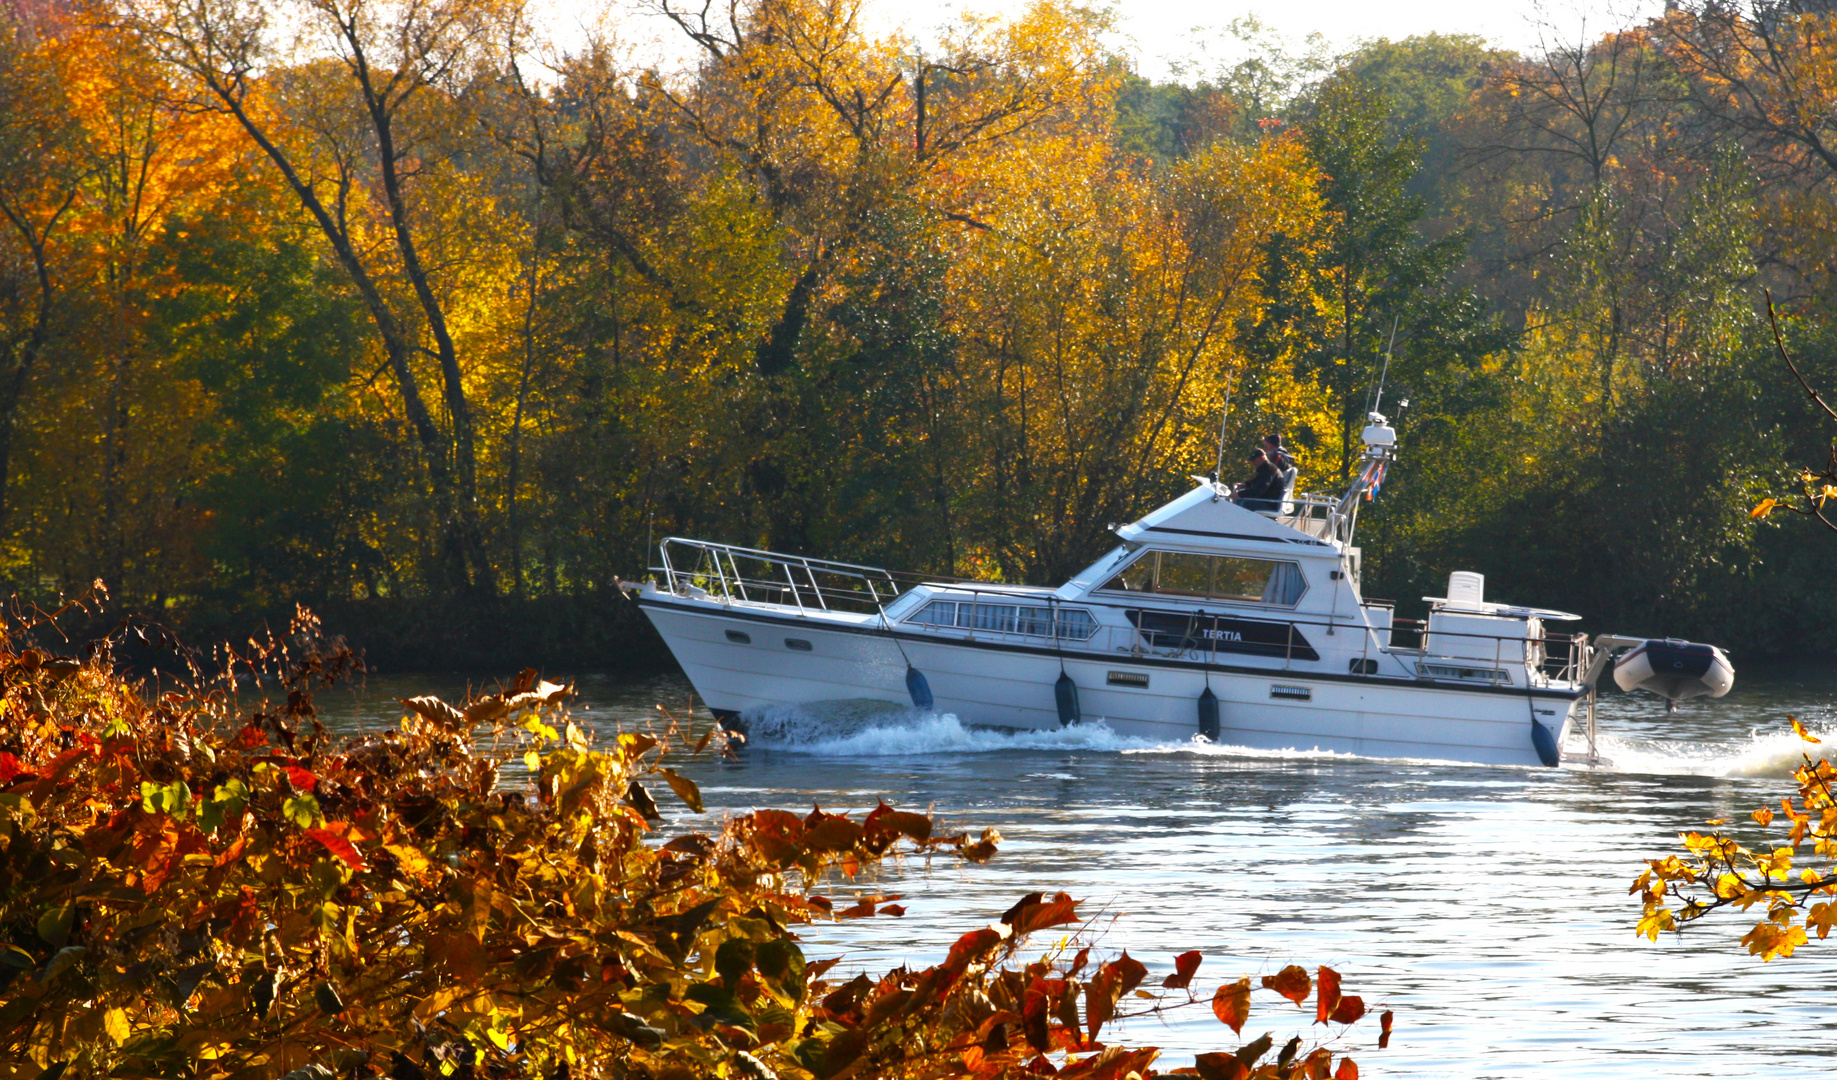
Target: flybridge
1209,619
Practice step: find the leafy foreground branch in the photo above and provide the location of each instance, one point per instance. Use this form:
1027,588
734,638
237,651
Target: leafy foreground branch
194,887
1718,872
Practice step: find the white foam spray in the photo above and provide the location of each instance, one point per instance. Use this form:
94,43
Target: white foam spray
879,729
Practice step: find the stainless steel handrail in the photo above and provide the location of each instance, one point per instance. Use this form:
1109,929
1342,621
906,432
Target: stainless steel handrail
869,588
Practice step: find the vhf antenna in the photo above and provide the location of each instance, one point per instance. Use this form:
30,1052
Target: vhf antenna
1378,400
1219,469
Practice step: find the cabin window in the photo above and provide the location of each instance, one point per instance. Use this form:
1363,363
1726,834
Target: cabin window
997,617
936,613
1213,577
1030,620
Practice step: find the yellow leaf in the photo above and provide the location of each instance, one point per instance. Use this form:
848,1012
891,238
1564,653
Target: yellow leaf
1764,508
1763,815
1768,941
1799,730
115,1022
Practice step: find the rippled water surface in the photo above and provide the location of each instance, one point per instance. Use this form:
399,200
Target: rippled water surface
1487,906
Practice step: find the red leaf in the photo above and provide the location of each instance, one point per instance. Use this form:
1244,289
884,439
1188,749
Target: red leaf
11,769
1328,999
249,737
1291,982
338,846
300,778
1130,970
1026,919
1231,1004
233,852
1384,1028
887,824
1219,1067
893,909
1348,1070
972,945
1351,1007
1184,966
1111,1066
1035,1009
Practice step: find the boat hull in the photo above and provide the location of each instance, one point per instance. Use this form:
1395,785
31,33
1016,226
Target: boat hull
740,659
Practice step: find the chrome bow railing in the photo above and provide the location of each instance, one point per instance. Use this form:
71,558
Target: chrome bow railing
731,572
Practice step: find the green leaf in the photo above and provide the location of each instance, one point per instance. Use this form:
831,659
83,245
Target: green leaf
225,804
172,799
54,925
302,810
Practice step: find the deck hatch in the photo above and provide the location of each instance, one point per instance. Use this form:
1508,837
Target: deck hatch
1137,679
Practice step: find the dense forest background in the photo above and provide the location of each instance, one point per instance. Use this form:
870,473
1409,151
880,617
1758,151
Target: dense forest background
397,309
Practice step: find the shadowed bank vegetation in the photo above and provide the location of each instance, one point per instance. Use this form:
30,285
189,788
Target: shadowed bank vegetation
196,880
399,311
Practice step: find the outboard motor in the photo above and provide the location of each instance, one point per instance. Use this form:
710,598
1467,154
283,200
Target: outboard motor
1674,669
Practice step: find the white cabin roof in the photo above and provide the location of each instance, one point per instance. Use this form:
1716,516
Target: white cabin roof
1205,517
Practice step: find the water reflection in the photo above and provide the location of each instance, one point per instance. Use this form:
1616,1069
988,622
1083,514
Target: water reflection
1487,906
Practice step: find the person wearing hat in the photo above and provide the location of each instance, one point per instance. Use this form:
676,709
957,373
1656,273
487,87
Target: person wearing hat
1264,487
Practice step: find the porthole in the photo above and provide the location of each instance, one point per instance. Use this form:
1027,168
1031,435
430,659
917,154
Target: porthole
739,637
797,644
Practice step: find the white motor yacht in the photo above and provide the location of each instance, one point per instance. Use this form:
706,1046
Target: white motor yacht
1242,626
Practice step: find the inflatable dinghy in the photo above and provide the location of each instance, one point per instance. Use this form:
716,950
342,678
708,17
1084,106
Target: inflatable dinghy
1675,670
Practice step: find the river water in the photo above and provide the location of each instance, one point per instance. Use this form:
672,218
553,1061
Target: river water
1488,906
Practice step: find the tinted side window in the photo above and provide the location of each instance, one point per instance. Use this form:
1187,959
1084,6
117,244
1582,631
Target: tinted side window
1216,577
1242,579
1184,575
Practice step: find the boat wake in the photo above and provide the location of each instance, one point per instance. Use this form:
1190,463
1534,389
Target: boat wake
879,729
1762,756
862,728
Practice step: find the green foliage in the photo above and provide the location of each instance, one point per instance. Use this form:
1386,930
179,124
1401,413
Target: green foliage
1368,276
195,886
816,291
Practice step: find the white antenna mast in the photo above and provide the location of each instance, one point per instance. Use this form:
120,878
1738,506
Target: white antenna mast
1378,401
1219,469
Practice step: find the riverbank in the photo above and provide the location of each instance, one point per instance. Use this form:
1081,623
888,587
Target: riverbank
599,632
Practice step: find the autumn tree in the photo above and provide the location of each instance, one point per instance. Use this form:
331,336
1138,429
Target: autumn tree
1097,322
357,131
1367,283
41,174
